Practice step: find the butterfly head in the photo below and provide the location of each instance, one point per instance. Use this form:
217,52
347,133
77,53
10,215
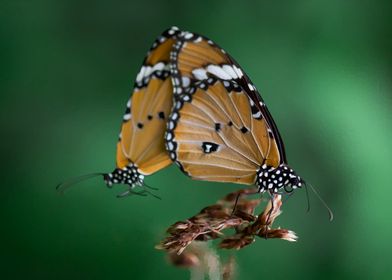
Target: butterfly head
128,175
273,179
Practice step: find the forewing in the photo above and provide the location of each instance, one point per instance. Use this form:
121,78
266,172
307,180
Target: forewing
141,140
196,57
218,130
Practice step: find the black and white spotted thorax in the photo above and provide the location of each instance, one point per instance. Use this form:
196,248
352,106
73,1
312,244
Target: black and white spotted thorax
275,180
128,175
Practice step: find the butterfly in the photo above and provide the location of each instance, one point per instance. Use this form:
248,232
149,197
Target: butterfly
220,129
141,147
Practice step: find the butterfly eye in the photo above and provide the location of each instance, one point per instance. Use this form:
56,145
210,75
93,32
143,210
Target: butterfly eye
288,188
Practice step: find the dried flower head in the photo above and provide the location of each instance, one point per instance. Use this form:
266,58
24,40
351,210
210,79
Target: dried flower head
211,221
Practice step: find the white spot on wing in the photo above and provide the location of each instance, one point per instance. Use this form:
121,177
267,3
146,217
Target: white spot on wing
169,136
158,67
171,125
229,70
185,81
238,71
140,75
200,74
188,35
147,71
218,72
257,115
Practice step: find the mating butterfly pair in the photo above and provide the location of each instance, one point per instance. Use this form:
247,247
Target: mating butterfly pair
192,104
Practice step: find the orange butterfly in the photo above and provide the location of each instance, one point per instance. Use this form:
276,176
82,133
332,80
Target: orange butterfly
141,148
220,128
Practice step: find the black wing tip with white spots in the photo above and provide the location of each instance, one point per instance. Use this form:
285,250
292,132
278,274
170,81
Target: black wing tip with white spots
171,32
160,70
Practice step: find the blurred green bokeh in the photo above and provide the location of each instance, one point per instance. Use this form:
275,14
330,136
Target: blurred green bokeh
67,67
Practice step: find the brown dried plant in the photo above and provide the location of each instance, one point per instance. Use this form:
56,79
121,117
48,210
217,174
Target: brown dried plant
209,224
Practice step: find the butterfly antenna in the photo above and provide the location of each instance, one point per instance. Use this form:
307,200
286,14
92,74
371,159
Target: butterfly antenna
151,188
235,203
131,192
154,195
62,187
150,193
144,192
322,201
307,198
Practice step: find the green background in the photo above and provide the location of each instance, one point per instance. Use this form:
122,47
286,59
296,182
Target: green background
66,70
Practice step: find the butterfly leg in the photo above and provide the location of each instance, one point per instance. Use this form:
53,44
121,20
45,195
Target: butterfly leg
150,193
235,203
237,199
131,192
151,188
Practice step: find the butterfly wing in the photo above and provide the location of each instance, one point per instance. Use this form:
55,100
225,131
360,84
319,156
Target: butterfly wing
141,140
219,129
